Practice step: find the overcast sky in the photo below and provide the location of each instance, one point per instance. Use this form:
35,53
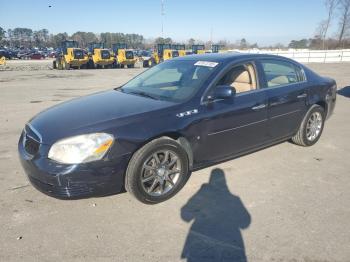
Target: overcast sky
262,21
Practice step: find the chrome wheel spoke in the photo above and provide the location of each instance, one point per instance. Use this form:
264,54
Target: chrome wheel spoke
149,168
161,187
172,162
170,181
175,171
156,158
152,187
166,157
146,179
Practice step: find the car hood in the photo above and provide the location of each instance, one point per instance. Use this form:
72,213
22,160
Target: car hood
92,113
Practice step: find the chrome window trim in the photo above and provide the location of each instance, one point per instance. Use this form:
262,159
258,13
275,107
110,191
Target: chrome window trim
295,65
225,70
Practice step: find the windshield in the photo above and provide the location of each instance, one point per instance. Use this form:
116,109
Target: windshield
173,80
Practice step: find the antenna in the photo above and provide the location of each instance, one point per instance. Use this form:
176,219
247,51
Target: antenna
162,13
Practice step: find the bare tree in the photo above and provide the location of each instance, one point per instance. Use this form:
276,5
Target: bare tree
324,26
344,20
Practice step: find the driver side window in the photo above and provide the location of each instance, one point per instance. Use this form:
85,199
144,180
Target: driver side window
242,78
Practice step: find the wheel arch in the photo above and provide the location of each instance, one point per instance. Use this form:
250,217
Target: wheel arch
320,103
179,138
176,136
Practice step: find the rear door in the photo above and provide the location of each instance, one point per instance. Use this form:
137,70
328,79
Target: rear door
286,88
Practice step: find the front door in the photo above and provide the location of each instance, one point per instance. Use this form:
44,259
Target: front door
232,126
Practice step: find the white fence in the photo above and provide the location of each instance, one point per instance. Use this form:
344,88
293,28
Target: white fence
308,56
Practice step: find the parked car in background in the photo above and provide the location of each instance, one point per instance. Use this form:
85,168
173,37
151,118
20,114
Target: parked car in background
24,54
37,56
182,115
5,53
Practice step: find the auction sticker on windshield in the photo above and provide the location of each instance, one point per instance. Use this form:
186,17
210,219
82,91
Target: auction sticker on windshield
206,63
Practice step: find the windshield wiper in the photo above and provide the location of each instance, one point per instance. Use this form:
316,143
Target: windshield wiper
141,93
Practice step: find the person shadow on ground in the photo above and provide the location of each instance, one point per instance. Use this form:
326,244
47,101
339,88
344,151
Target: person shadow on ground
345,91
218,218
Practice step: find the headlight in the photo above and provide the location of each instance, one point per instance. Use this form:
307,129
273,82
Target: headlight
81,149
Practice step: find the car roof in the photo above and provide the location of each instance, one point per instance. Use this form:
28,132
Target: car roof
227,57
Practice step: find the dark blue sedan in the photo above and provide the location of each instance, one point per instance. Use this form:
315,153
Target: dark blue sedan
179,116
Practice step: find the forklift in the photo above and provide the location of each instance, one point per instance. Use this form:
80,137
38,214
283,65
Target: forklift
123,56
181,50
2,60
198,49
99,56
70,56
163,52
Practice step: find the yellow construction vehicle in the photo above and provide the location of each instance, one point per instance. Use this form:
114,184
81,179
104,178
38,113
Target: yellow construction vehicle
216,48
123,56
198,49
99,56
70,56
161,53
2,60
181,50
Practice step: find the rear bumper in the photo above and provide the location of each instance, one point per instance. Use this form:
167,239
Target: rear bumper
104,62
98,178
79,62
331,100
128,62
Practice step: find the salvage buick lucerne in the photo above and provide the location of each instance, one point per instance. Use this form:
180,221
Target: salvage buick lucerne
179,116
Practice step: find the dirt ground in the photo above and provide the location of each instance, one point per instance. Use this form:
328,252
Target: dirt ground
283,203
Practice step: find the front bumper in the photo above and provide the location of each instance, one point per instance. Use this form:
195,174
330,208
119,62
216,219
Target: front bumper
63,181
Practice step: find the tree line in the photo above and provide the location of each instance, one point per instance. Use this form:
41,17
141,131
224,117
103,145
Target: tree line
338,15
27,38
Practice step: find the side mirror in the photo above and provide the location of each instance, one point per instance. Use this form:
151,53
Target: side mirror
222,92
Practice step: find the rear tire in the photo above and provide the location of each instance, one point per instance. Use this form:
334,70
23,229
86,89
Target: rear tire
54,65
151,177
59,64
66,65
145,64
311,127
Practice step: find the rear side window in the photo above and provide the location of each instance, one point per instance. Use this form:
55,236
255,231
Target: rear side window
279,73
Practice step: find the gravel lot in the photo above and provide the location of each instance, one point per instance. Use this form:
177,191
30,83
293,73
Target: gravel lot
286,202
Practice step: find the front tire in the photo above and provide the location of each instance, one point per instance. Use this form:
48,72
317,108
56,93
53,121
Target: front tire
311,127
157,171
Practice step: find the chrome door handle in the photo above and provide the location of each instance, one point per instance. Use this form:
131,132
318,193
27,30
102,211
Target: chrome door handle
302,96
259,107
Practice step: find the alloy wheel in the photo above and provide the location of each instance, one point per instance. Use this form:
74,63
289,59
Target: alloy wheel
314,126
161,172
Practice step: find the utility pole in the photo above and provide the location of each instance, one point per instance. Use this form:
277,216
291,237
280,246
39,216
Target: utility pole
162,13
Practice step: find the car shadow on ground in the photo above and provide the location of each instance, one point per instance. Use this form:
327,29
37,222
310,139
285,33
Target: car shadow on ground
345,91
218,218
